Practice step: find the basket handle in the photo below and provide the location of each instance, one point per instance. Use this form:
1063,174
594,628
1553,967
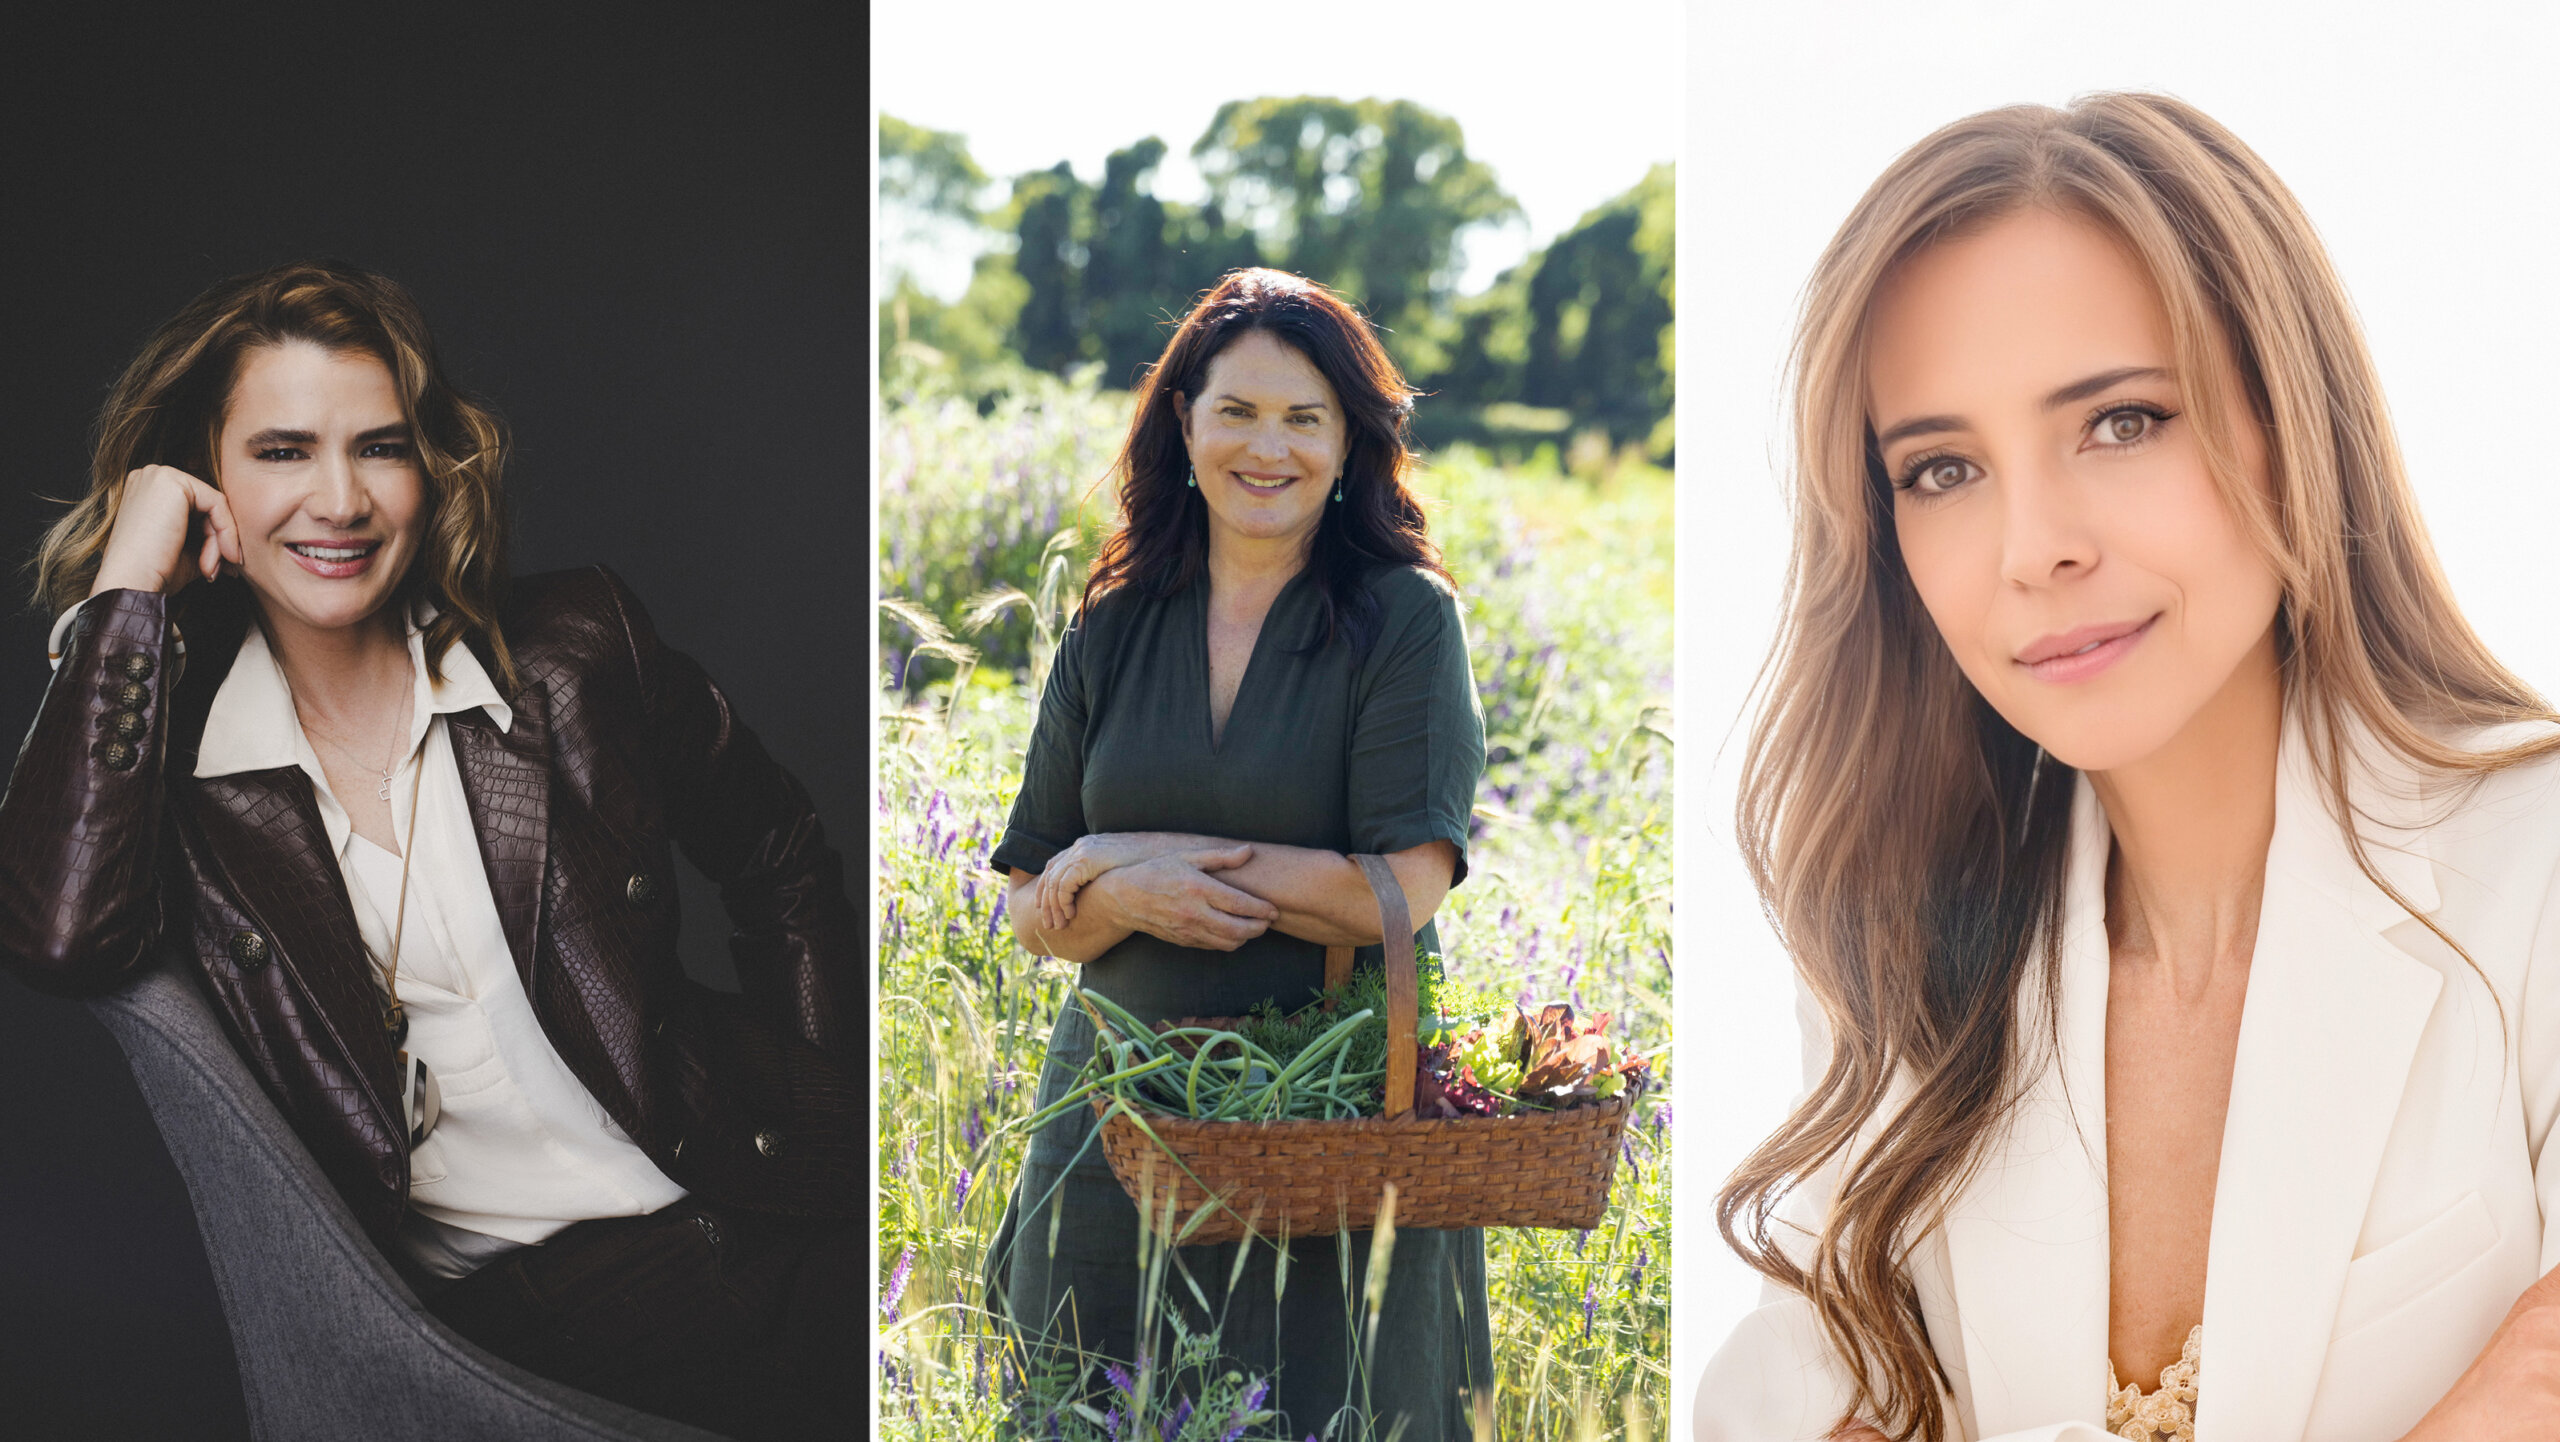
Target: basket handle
1404,988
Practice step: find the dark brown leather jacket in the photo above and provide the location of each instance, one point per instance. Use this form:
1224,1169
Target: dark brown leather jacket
110,847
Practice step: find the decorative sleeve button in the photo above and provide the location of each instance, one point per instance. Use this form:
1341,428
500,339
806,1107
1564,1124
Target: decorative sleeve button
120,755
642,890
248,948
128,725
133,695
136,667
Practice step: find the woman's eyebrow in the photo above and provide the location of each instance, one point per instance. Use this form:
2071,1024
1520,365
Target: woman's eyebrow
1919,426
2079,390
1300,406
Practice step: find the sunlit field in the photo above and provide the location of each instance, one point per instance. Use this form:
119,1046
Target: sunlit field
1566,572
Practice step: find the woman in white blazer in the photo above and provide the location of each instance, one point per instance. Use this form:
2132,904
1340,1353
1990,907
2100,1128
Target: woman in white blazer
2172,875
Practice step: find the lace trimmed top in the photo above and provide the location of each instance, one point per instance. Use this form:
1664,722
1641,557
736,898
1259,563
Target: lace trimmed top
2167,1415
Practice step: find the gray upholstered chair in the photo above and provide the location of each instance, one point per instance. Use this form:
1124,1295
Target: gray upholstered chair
332,1343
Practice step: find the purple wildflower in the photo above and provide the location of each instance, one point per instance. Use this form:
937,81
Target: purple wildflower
960,1190
1238,1419
1120,1378
1590,1306
1661,1119
898,1168
973,1132
898,1282
1635,1274
1172,1426
995,919
1581,1240
1111,1424
968,890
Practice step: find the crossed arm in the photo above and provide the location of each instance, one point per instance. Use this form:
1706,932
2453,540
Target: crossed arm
1211,892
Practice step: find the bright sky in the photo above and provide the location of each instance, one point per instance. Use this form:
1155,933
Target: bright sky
1569,107
2419,140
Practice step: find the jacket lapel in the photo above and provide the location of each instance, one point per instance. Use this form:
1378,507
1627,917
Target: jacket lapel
506,779
2331,1023
2027,1239
295,894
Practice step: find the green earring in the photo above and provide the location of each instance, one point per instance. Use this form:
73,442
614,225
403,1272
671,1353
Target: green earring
1337,488
1191,478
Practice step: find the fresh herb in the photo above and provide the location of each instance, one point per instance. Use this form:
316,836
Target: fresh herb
1328,1061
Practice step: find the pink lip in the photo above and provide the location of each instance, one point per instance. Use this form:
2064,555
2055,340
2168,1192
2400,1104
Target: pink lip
2059,657
336,570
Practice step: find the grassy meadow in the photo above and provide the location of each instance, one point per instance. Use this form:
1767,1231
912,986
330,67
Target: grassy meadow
987,513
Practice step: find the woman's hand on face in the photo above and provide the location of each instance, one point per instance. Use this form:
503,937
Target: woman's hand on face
151,547
2511,1392
1072,869
1175,897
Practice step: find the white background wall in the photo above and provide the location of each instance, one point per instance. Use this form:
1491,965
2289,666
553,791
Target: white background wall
2420,139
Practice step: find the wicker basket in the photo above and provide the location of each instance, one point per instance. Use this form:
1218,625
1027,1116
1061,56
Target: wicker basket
1309,1178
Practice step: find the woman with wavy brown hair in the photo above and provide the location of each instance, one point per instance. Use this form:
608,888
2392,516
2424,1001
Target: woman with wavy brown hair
410,822
2165,862
1268,675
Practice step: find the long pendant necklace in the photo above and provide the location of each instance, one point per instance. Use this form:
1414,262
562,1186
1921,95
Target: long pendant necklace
418,1093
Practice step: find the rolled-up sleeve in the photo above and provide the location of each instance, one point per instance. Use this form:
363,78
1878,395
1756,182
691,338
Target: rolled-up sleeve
1417,735
1048,812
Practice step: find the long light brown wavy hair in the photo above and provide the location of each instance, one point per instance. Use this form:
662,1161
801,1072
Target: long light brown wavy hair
1901,837
168,407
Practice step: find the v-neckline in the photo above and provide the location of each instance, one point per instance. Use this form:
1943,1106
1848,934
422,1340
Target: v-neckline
1216,734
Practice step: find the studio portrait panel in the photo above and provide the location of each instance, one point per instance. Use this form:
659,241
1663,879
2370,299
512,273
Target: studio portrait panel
2116,903
515,365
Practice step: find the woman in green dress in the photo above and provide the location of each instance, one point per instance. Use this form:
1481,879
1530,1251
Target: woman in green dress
1268,674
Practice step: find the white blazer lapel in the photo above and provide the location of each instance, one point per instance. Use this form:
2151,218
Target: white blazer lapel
2027,1240
2330,1024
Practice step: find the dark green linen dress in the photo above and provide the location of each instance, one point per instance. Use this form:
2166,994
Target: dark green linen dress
1350,751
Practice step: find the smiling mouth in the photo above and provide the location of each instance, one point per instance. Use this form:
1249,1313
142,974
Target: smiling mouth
2098,648
334,560
1277,483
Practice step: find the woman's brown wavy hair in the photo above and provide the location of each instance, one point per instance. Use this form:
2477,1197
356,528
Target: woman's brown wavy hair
1908,843
168,407
1162,544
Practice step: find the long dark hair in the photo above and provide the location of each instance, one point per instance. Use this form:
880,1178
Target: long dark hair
1162,545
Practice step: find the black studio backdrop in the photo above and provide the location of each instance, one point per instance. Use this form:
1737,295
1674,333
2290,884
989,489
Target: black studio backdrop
639,230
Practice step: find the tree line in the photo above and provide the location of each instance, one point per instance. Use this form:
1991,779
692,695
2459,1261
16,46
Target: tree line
1372,197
